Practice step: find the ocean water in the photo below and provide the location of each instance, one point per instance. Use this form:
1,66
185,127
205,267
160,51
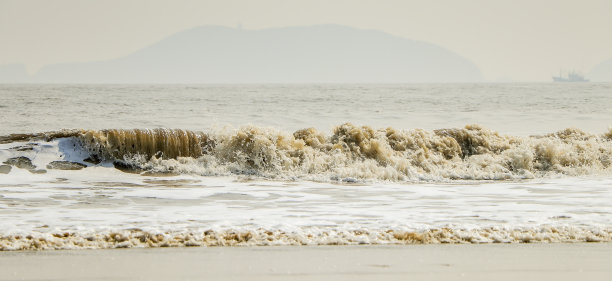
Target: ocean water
107,166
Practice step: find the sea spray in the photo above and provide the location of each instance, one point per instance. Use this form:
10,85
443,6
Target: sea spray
349,152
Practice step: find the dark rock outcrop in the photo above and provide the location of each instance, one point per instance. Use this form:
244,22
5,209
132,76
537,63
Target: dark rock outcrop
65,165
21,162
5,169
23,148
127,168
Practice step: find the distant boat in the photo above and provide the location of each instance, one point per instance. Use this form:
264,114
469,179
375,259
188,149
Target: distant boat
572,76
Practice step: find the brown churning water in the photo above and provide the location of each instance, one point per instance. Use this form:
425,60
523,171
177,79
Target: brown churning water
161,143
353,151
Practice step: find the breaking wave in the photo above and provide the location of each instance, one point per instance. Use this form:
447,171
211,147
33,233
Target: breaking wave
349,153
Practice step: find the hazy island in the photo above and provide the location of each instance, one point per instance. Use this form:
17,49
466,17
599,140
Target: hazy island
215,54
602,72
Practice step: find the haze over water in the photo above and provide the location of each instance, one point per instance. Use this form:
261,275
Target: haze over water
517,109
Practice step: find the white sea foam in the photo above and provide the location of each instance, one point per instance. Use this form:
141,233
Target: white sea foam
256,185
87,208
350,153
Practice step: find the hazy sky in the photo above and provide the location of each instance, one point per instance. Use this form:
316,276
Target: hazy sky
519,39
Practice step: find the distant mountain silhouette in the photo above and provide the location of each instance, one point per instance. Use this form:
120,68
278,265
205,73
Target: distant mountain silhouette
13,73
323,53
602,72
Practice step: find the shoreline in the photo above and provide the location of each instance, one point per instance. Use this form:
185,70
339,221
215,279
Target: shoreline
558,261
137,238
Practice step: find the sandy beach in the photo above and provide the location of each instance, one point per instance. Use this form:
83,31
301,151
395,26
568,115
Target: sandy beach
580,261
309,140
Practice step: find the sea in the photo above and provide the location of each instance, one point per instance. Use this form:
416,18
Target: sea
132,166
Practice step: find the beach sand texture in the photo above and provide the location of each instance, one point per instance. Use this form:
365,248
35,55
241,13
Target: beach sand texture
558,261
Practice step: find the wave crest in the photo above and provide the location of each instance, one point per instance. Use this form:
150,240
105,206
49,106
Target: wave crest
350,152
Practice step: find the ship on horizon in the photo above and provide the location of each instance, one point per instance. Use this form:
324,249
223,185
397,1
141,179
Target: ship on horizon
572,76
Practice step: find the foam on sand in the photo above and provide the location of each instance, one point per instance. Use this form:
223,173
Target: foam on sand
136,238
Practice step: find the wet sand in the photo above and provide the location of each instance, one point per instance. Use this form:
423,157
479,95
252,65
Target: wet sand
581,261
